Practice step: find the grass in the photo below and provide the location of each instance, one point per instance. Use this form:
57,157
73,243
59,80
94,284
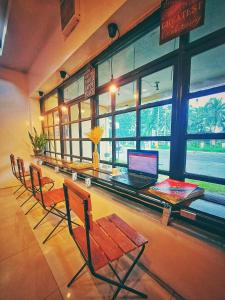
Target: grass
208,186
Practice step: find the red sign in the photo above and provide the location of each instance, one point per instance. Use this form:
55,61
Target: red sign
180,16
89,82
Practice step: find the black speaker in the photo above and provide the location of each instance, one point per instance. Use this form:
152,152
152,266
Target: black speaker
40,93
63,74
112,29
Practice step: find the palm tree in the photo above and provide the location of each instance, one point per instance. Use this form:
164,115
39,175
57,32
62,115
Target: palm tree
215,109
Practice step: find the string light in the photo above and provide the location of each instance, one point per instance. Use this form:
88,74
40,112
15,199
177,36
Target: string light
63,108
41,118
113,88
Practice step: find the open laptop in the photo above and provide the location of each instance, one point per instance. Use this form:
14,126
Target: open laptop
142,169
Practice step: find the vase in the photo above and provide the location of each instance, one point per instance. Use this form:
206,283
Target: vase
38,152
95,158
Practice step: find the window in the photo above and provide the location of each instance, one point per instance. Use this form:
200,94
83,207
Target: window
106,123
74,112
105,151
126,96
86,128
76,148
87,149
75,130
74,90
51,102
104,103
121,150
126,125
157,86
86,109
208,69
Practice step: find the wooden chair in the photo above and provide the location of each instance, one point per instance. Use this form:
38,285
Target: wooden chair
102,241
27,182
47,199
16,173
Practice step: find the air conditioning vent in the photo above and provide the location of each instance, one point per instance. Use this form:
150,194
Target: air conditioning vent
69,11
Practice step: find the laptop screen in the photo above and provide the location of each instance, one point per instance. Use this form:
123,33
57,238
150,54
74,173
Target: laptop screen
143,162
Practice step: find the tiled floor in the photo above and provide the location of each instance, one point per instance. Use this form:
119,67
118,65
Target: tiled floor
31,270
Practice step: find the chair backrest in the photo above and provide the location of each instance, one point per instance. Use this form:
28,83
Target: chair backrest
21,170
35,177
13,164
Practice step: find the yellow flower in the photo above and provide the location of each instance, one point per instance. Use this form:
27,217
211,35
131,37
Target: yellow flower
95,135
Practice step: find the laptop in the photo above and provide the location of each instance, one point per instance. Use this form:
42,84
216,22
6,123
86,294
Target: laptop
142,169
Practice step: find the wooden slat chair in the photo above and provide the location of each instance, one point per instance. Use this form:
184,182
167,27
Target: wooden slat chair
47,199
16,173
27,182
103,241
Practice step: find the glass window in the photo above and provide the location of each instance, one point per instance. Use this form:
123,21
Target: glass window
156,121
164,152
208,69
74,112
56,117
65,116
50,119
51,132
76,148
206,157
121,150
126,96
157,86
86,109
104,103
66,133
104,72
66,147
208,186
86,128
106,123
74,90
57,132
106,150
51,146
57,146
126,124
45,120
87,149
51,102
46,131
75,130
123,61
207,114
214,19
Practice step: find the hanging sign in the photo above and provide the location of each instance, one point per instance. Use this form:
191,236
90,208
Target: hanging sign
180,16
89,82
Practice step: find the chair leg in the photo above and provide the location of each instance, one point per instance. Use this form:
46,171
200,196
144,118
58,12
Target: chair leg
31,208
26,200
39,222
17,189
45,240
76,275
21,194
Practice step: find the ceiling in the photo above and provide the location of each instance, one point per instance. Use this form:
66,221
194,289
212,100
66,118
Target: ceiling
29,26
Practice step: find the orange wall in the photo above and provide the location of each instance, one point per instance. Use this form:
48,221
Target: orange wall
16,114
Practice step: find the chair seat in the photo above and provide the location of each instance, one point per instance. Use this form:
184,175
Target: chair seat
110,238
51,197
26,173
44,181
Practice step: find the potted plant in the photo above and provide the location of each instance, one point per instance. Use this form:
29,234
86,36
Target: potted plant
95,136
38,142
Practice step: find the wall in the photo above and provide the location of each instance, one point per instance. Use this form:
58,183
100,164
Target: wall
17,114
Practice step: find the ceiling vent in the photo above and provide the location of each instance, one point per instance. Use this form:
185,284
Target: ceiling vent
69,12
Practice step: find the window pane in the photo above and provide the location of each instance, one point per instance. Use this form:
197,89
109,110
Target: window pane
123,62
46,120
126,125
65,116
51,102
56,117
121,150
104,103
207,114
46,132
86,128
57,133
206,157
66,147
57,146
74,112
51,145
147,48
214,19
106,123
66,134
86,109
164,152
104,72
209,186
51,133
87,149
50,119
157,86
106,150
126,96
156,121
75,130
208,69
74,90
76,148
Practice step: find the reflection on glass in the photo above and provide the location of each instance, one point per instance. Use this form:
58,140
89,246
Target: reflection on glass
164,152
104,72
75,130
207,114
156,121
66,133
57,132
50,119
56,117
206,157
126,124
126,96
87,149
51,102
106,123
106,150
74,90
57,146
86,109
76,148
51,133
123,61
157,86
66,147
104,103
74,112
121,150
208,69
86,128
